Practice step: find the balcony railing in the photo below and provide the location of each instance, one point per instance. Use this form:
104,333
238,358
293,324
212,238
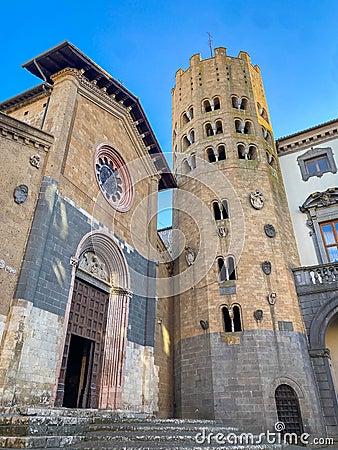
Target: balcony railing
316,278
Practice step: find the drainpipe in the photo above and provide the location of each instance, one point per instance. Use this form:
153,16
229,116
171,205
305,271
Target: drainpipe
47,87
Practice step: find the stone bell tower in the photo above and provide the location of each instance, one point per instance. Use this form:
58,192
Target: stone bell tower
240,347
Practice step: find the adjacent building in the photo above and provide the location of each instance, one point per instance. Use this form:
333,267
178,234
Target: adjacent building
308,161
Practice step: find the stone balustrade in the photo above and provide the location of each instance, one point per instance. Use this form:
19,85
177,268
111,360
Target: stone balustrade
322,277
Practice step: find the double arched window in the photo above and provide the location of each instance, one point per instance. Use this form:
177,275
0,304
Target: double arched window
247,151
209,105
226,268
239,102
188,139
243,126
220,210
187,116
212,128
217,154
232,320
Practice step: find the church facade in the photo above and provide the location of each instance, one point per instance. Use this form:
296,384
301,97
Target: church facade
96,311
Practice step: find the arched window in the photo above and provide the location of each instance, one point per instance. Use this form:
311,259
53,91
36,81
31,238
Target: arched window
217,104
226,268
232,319
193,161
207,106
225,209
217,211
239,102
236,103
219,127
221,153
220,210
208,129
185,119
248,152
271,160
221,270
185,142
211,155
237,318
244,104
187,116
266,135
262,112
185,167
226,320
288,410
243,126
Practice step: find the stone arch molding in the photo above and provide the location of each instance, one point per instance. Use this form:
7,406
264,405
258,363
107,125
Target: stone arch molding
114,352
321,321
110,253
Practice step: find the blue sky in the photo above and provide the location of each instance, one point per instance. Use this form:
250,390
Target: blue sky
143,43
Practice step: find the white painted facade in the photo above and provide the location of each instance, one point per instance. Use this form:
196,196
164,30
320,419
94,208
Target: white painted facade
298,190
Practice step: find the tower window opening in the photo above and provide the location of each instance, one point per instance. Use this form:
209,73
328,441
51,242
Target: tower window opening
266,135
219,127
187,116
225,210
239,102
221,153
185,166
262,112
226,269
208,130
211,155
217,211
226,320
221,210
193,161
271,159
237,318
232,319
185,142
217,104
248,152
207,106
243,127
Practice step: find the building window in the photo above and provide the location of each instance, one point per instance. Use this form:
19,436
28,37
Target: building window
239,103
219,127
243,126
207,106
221,210
226,268
248,152
211,155
221,153
329,232
232,319
315,162
208,129
321,210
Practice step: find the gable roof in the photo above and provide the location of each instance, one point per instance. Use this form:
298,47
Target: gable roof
67,55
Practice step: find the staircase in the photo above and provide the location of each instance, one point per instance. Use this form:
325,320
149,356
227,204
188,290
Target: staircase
75,429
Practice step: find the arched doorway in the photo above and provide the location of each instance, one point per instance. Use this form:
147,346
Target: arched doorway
91,373
331,341
288,410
